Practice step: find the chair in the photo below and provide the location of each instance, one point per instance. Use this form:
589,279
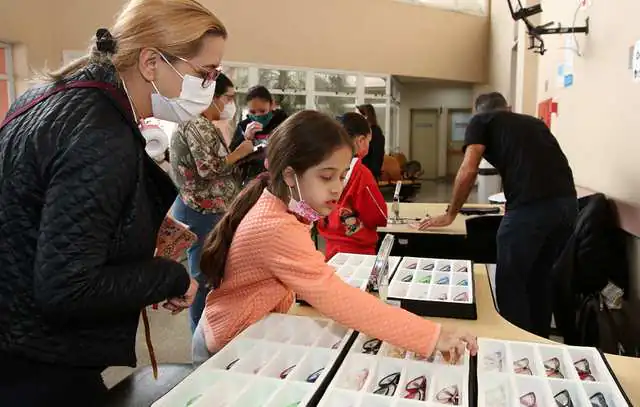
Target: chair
140,389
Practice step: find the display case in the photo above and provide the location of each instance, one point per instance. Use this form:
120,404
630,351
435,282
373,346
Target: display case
545,375
377,374
356,269
282,360
434,288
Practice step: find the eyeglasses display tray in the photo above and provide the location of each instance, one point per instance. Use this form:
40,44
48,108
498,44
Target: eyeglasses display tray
434,288
377,374
356,269
280,361
545,375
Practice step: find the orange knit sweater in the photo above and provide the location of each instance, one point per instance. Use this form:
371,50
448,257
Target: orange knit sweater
272,256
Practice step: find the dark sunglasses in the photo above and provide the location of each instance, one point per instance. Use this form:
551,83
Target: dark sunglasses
372,346
387,385
552,368
416,389
233,362
598,400
314,376
563,399
584,370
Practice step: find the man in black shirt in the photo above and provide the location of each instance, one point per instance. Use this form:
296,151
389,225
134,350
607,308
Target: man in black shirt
541,207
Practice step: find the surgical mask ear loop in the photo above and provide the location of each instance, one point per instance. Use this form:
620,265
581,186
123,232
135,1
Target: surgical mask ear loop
295,176
133,108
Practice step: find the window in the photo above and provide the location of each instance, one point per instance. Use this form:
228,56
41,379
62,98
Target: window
332,92
6,79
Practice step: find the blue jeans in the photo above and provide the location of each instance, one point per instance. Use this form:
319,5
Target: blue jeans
200,224
530,240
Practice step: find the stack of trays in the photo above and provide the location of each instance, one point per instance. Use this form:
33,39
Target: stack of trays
355,269
376,374
538,375
434,288
280,361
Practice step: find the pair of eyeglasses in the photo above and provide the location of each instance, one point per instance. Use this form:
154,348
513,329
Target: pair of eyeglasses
416,389
598,400
411,266
230,365
445,268
584,370
425,280
462,297
407,278
387,385
449,395
529,400
462,269
208,76
443,281
429,267
563,399
336,345
552,368
521,366
314,376
493,362
463,283
372,346
285,372
443,297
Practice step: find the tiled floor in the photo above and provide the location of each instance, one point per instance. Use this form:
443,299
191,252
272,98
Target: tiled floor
171,335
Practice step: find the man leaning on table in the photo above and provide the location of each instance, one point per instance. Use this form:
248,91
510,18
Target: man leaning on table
541,206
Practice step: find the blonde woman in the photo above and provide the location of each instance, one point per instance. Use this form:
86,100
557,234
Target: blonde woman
81,202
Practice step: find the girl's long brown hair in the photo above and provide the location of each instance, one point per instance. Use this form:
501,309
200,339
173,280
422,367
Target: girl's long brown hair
302,141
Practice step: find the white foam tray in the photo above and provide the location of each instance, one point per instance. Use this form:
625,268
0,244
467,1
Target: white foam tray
440,280
345,390
355,269
498,379
247,371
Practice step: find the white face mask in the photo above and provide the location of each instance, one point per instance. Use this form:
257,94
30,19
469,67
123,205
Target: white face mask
228,112
193,99
157,141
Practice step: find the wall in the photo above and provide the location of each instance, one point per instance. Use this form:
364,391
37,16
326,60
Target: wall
378,36
426,96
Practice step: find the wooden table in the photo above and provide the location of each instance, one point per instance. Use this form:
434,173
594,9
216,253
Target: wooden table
446,242
491,325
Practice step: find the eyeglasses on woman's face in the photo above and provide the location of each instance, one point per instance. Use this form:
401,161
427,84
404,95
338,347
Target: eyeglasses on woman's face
208,75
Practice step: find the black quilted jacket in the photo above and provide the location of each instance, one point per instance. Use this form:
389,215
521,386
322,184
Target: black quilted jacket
80,208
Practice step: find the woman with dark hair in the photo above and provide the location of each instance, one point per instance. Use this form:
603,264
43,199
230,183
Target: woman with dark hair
373,160
262,120
204,170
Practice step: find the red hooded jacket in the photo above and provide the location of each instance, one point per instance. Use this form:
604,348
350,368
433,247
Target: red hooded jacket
361,209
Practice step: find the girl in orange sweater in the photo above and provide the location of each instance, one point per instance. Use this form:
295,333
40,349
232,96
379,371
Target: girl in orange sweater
261,252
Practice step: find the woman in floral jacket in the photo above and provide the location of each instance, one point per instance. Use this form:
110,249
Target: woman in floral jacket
204,170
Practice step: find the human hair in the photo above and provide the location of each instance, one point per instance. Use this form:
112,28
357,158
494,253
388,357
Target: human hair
174,27
488,102
259,92
355,124
223,83
301,142
369,112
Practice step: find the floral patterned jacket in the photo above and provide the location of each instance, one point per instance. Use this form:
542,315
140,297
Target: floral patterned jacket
198,161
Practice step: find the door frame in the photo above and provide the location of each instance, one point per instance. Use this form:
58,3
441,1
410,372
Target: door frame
437,112
451,151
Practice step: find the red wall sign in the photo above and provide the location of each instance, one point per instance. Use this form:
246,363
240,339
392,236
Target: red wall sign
545,109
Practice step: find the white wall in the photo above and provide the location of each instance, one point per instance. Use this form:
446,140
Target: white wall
432,96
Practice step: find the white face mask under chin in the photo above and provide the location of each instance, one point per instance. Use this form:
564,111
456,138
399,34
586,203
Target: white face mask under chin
157,141
193,100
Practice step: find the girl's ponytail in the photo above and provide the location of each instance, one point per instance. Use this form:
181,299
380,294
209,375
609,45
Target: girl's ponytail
216,246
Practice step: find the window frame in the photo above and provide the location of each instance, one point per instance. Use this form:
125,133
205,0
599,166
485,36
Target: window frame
392,135
9,76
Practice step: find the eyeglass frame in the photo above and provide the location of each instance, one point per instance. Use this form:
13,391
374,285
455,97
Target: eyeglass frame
209,76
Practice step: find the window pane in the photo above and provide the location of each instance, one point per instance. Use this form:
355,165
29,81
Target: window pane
335,105
291,103
282,79
339,83
242,109
238,75
3,60
374,85
4,98
380,107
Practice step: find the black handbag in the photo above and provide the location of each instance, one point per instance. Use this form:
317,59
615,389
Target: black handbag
613,331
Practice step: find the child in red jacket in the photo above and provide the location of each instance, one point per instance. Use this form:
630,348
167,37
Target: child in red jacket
361,209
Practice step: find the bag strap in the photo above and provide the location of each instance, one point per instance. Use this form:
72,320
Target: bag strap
71,85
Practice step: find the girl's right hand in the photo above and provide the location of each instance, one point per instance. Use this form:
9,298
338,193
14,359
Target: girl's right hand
251,130
453,343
